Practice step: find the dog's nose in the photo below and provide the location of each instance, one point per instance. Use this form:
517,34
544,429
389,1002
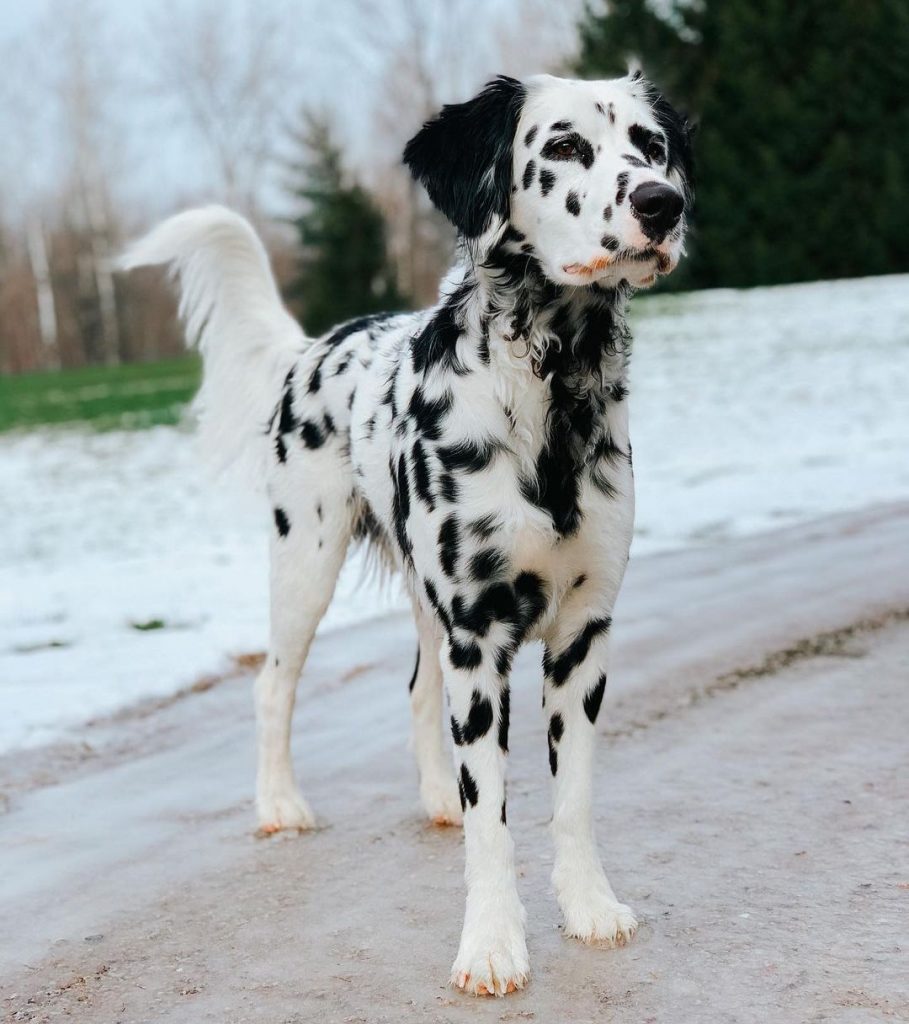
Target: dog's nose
658,207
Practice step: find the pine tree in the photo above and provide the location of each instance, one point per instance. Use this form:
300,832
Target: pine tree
803,149
344,269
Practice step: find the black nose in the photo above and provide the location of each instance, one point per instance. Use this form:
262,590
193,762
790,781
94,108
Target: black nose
658,208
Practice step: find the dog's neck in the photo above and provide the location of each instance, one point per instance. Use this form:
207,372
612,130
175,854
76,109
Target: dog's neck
575,337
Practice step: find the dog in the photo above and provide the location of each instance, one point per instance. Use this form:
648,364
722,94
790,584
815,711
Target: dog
480,448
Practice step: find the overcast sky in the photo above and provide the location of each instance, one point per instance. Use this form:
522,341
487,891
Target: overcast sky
151,153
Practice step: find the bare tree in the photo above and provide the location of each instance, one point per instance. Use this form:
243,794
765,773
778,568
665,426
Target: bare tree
417,55
83,85
229,68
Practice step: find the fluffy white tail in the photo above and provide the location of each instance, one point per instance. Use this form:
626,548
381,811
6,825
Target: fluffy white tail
232,312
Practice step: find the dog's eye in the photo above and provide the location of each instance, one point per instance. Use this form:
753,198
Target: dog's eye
564,148
655,152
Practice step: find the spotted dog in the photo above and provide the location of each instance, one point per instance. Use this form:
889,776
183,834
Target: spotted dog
479,447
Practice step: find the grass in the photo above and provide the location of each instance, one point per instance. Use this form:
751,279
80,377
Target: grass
133,396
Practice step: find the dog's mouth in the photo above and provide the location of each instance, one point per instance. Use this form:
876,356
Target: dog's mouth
609,262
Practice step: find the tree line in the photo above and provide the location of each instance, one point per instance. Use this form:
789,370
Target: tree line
802,150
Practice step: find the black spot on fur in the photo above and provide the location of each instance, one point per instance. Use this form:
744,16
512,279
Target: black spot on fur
312,434
610,110
527,603
429,414
573,204
484,527
479,718
449,545
470,456
282,522
467,787
580,581
494,603
362,323
487,564
529,171
502,816
416,669
607,212
400,505
635,161
432,596
621,188
421,476
558,669
512,234
531,135
466,656
560,126
504,718
547,180
609,242
553,735
288,421
436,344
600,108
448,488
315,380
594,699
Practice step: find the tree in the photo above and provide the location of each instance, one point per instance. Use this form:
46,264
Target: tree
228,68
344,266
804,128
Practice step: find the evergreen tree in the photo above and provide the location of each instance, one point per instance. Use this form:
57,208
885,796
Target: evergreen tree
344,270
802,152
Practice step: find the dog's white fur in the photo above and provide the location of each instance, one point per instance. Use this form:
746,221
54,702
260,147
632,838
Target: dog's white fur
481,447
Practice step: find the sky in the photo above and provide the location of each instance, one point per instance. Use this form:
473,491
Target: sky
341,58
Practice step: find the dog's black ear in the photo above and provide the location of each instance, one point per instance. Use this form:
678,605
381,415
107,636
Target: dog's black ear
463,156
678,131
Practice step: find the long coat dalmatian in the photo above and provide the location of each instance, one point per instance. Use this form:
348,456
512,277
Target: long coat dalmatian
480,447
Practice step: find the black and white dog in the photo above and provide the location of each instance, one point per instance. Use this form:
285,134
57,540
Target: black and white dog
481,447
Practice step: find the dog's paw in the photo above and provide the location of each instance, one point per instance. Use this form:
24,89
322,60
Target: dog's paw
441,800
492,959
595,915
285,810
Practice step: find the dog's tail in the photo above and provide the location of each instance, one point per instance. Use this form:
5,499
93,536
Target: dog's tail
232,312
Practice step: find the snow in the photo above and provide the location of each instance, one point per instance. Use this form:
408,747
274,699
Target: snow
749,410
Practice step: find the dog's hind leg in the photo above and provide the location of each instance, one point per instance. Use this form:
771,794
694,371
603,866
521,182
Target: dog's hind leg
312,527
438,788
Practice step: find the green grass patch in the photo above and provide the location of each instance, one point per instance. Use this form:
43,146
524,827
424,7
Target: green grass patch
132,396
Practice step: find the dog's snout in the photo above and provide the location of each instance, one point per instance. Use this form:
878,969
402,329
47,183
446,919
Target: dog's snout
658,207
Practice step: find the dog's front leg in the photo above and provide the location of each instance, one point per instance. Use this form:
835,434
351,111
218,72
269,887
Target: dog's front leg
574,683
492,957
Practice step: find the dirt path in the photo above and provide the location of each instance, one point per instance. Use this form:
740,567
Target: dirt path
752,808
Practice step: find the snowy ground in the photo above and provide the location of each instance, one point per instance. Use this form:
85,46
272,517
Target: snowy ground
750,798
750,410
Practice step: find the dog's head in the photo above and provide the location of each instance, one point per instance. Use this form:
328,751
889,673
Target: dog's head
593,179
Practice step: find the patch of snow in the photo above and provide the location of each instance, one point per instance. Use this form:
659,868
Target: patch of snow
749,410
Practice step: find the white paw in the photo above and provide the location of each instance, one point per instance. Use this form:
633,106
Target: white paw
441,801
492,959
593,914
285,809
